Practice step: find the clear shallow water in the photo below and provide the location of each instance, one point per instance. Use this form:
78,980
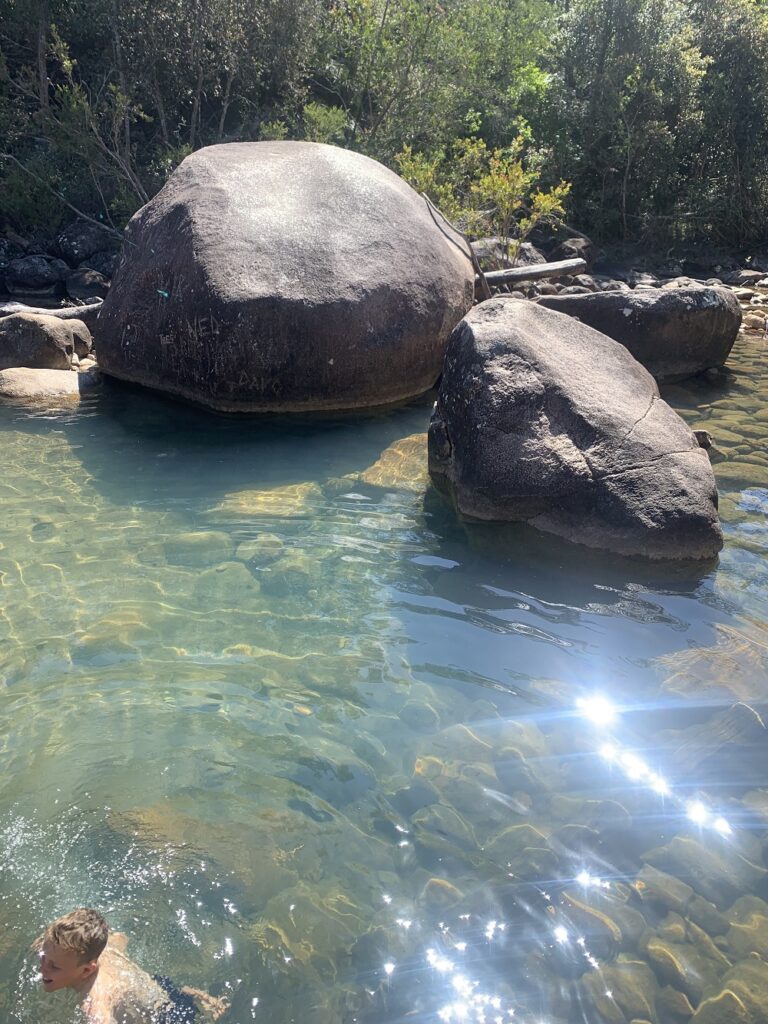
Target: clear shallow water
313,743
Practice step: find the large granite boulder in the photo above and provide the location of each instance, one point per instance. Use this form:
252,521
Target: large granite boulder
674,333
544,420
284,276
41,342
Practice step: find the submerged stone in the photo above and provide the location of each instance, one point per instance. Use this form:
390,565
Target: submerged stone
402,466
284,502
443,823
654,886
683,966
718,871
749,929
199,548
439,894
261,550
418,714
632,986
227,583
740,998
673,1005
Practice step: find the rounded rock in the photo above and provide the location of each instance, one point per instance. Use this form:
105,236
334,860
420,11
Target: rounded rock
284,276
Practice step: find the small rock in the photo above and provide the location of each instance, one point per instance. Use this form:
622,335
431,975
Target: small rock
105,263
225,584
654,886
749,929
200,548
575,248
261,550
682,966
574,289
439,894
755,321
672,1005
419,715
86,284
504,848
437,824
632,985
292,573
704,438
716,870
672,928
740,997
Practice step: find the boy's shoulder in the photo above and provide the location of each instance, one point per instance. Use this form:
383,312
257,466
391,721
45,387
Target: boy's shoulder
123,993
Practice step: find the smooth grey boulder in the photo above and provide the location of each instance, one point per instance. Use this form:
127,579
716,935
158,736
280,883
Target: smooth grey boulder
542,419
46,387
273,276
41,342
674,333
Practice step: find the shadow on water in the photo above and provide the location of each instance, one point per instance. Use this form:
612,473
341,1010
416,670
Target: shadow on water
139,446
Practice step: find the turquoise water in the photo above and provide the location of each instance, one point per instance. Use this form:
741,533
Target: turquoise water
315,745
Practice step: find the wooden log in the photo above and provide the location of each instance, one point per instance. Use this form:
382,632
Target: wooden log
64,312
87,313
535,272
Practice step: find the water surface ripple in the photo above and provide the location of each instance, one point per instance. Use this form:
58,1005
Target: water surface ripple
315,744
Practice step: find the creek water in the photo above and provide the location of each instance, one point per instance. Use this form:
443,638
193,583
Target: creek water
315,745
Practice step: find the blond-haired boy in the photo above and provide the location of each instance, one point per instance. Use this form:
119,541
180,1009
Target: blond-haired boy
78,952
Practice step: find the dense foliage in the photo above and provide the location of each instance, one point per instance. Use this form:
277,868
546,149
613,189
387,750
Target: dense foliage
656,111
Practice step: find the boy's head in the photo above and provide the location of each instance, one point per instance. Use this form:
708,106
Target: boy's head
71,948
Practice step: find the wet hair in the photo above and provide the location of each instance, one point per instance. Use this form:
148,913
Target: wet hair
84,931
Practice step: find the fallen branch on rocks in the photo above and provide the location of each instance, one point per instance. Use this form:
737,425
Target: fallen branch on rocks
63,312
535,272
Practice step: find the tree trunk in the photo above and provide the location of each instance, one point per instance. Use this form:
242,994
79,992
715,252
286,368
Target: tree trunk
196,107
536,271
160,109
43,18
121,78
225,104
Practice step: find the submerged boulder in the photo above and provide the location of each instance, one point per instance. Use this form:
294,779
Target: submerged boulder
674,333
544,420
284,276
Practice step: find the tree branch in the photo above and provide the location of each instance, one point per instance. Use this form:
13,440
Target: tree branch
59,196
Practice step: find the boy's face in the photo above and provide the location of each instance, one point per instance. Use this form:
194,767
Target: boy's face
63,968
